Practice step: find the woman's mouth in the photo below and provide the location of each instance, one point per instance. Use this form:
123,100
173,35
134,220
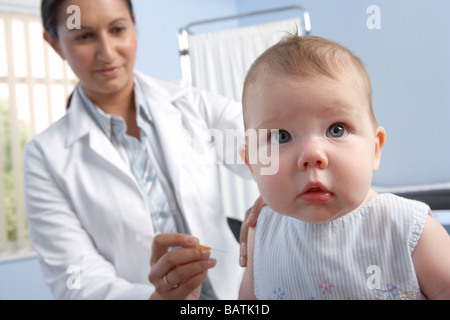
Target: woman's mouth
108,72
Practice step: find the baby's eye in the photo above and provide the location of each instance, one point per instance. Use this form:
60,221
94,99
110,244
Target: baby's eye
280,136
336,130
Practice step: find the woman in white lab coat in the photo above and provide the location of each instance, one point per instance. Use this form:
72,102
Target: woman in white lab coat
88,215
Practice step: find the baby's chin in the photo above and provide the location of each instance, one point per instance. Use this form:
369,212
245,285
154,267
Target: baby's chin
319,214
319,219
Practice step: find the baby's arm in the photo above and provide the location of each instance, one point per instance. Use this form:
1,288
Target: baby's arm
431,259
246,291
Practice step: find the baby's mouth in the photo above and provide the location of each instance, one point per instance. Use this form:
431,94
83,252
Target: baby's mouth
315,193
315,190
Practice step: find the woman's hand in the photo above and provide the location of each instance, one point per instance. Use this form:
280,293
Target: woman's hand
251,216
178,274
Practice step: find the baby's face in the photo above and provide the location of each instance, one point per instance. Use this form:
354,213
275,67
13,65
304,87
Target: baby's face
328,146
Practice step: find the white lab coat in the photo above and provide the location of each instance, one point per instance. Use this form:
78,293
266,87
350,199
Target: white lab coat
87,217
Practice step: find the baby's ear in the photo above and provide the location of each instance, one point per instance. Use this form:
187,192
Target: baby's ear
380,139
243,152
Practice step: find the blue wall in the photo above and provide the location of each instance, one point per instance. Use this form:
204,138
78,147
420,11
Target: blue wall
158,22
21,280
409,63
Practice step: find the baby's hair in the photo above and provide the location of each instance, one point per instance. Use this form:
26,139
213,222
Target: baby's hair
309,56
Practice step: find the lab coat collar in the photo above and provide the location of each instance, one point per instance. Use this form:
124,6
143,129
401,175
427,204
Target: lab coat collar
162,97
81,123
170,91
79,120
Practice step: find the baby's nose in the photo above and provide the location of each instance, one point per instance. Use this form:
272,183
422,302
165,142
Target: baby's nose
313,159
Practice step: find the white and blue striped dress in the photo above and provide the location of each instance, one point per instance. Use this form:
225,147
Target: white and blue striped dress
363,255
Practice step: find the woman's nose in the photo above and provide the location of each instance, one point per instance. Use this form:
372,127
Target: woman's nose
105,48
312,156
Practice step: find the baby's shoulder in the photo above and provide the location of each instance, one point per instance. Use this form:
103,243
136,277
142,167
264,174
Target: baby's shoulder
395,206
401,216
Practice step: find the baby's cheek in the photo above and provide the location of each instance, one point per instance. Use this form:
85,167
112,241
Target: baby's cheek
354,184
272,190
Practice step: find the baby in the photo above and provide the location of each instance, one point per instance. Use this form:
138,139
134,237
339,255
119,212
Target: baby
325,234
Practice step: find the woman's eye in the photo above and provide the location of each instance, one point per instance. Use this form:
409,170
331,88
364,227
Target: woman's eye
336,130
280,136
83,37
118,30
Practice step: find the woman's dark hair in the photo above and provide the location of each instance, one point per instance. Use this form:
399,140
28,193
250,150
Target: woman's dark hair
50,11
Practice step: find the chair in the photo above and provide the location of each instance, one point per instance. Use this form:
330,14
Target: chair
235,226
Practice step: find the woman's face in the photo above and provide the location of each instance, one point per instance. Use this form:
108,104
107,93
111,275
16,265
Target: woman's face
102,52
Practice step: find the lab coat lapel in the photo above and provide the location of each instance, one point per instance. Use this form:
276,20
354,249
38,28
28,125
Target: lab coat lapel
81,124
101,145
168,124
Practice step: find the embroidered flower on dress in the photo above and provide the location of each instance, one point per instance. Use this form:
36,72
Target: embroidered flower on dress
408,295
278,294
390,291
326,287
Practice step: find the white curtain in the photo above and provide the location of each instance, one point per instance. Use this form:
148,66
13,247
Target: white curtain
219,64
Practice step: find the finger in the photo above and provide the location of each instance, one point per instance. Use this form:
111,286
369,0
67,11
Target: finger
183,273
185,289
243,240
198,274
176,258
251,216
173,259
250,220
244,227
162,243
193,283
256,209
